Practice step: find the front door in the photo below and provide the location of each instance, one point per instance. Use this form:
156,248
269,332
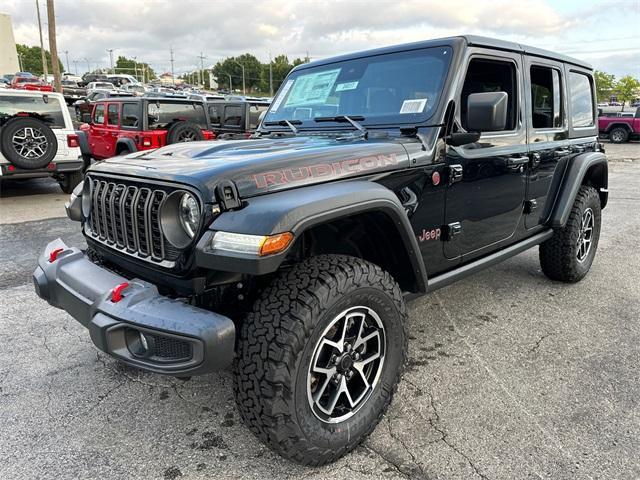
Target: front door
97,131
487,179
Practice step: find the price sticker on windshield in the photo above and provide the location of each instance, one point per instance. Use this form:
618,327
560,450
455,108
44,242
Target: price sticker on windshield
413,106
283,93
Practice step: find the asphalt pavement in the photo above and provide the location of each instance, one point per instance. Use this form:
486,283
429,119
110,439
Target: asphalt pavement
510,376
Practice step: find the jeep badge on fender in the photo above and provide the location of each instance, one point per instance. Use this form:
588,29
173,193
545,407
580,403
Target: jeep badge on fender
372,177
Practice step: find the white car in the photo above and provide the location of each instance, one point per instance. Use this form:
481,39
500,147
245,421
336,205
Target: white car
37,138
100,86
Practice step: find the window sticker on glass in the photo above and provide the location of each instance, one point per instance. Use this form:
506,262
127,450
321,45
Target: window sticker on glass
341,87
283,93
312,88
413,106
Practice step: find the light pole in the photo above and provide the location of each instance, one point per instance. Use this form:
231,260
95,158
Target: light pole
20,61
230,83
75,66
270,76
110,50
244,90
88,65
66,54
135,67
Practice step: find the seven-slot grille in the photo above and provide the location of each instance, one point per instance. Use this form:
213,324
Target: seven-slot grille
127,217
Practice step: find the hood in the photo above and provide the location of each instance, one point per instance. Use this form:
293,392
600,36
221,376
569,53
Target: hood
262,165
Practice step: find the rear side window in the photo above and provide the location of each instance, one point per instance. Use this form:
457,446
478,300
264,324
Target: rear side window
129,115
581,100
161,113
98,114
46,108
254,114
214,114
233,116
112,114
485,75
546,102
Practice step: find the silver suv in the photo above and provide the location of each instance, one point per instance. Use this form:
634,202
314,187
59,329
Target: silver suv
37,138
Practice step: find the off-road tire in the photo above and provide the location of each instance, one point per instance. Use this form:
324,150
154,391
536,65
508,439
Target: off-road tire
619,135
558,255
70,180
41,132
184,132
276,343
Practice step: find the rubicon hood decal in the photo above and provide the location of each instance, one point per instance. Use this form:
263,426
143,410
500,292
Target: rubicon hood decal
263,165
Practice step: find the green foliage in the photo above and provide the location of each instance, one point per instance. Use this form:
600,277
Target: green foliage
604,85
130,66
627,89
32,60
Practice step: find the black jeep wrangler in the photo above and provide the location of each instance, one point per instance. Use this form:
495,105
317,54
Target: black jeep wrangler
375,177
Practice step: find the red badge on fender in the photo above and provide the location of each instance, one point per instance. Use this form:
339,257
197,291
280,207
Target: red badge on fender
435,178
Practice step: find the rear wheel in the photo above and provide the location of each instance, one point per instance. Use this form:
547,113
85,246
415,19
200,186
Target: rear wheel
320,357
618,135
568,255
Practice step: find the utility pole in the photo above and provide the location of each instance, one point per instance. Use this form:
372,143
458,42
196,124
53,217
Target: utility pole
135,67
44,56
20,62
75,67
66,53
53,47
110,50
88,65
173,78
230,84
270,76
202,57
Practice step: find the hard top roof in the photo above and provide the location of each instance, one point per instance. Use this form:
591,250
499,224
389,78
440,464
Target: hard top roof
458,41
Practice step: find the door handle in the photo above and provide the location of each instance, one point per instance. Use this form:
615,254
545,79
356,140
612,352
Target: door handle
513,161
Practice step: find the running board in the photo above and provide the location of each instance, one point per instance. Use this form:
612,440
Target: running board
452,276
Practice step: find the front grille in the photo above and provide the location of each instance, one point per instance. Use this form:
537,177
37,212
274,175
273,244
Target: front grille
127,218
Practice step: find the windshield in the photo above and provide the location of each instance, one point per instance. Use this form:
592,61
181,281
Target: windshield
395,88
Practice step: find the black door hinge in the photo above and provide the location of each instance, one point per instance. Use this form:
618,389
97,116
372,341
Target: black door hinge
452,230
455,173
530,206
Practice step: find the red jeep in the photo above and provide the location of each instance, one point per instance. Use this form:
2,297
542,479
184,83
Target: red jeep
122,125
30,83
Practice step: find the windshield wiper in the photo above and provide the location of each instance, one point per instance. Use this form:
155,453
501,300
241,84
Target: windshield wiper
286,123
345,119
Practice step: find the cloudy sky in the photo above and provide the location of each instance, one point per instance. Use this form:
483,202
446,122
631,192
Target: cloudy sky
604,33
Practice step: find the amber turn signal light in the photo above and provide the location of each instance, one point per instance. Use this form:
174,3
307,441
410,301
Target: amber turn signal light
275,243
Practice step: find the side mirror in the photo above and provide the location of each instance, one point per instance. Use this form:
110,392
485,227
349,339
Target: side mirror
487,111
86,118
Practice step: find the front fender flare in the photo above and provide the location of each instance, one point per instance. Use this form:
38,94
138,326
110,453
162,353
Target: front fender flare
297,210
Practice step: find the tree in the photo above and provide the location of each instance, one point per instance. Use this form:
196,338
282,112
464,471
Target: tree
130,66
32,59
604,85
627,89
232,66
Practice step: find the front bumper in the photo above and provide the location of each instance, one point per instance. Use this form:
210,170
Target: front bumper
180,339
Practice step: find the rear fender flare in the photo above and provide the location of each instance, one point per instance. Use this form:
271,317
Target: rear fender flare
126,142
585,168
296,211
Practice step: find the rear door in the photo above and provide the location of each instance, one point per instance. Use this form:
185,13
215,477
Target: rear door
548,130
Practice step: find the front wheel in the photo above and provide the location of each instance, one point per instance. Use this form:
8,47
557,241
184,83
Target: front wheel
320,356
567,256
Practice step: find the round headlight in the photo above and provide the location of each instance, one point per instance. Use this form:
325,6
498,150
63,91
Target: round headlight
189,213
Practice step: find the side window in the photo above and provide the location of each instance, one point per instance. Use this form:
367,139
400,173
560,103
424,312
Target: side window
484,75
546,102
581,100
98,114
112,114
254,114
50,110
161,113
129,115
214,114
233,116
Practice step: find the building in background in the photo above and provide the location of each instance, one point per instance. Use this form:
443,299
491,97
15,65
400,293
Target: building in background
8,53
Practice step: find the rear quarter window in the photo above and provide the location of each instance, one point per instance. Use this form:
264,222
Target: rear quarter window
581,100
46,108
160,114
